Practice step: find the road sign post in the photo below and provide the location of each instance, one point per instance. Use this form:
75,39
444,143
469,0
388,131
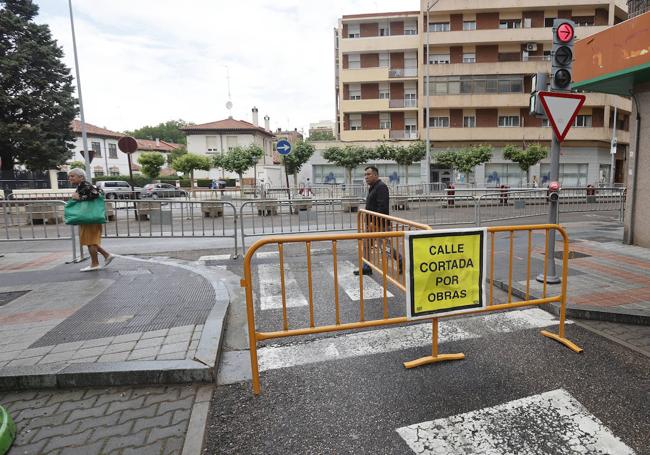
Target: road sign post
284,148
128,145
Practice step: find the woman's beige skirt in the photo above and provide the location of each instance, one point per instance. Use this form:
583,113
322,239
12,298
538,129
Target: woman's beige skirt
90,234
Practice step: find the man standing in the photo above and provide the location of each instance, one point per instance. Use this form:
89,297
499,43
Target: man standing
377,201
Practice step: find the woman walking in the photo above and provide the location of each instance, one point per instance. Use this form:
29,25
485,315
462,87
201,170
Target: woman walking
89,234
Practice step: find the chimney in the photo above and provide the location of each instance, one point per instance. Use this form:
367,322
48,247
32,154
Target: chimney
267,123
157,142
255,119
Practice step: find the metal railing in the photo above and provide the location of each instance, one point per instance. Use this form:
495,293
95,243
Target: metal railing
326,316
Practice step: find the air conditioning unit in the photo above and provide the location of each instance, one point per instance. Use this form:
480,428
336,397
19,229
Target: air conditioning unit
531,46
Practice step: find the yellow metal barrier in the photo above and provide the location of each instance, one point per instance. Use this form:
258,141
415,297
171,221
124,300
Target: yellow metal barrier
382,251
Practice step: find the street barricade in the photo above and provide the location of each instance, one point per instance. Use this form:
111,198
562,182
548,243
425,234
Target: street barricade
383,251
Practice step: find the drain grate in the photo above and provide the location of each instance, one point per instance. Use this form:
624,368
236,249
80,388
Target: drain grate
572,255
8,297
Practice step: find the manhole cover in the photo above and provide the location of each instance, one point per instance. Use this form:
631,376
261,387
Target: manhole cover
572,255
6,297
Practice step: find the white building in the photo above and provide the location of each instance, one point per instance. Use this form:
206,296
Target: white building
108,160
218,137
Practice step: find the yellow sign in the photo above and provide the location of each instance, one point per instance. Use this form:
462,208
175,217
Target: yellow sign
445,272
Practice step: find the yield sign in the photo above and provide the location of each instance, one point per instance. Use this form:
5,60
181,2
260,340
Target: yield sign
561,109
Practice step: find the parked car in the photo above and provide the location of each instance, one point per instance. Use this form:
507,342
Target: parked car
119,189
162,190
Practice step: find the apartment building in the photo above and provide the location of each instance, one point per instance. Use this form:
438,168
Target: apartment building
458,72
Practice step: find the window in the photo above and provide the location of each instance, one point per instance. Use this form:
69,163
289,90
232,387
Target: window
384,59
548,21
410,28
469,57
410,128
112,151
583,21
211,143
510,23
504,174
528,22
97,148
114,170
439,27
454,85
439,59
354,61
354,31
582,121
410,98
384,29
384,91
508,121
469,25
545,123
98,171
570,174
384,120
231,142
469,121
355,91
355,122
438,122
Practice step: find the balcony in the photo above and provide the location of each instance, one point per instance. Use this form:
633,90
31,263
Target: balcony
364,75
498,35
372,105
403,104
365,135
403,73
403,134
478,101
465,69
380,43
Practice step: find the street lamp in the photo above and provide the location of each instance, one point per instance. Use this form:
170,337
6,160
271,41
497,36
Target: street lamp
426,95
84,136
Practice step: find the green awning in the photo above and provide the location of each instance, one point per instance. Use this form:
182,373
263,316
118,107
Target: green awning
617,83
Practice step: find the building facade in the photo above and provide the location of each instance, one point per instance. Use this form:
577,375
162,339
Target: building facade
458,73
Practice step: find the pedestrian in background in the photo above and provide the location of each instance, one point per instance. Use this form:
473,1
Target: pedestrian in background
89,234
378,200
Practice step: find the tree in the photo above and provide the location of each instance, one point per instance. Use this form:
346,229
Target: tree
77,165
324,135
189,162
239,160
348,157
533,154
466,159
151,163
300,154
403,156
176,153
169,131
36,93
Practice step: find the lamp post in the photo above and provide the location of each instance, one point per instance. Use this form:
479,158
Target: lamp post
84,136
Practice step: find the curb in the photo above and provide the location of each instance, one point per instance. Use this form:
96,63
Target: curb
202,368
588,312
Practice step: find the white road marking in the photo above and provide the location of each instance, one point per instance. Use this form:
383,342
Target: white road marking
515,427
215,257
271,288
350,283
398,338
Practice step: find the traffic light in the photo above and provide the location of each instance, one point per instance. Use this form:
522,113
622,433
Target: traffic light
539,84
562,54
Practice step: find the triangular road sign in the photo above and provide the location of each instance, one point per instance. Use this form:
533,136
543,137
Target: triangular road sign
561,109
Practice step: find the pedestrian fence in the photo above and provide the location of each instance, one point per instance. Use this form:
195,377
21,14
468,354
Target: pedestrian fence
383,251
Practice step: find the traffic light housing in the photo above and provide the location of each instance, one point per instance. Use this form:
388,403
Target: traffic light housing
539,84
562,55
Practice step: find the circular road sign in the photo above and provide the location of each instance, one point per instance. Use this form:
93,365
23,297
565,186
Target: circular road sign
563,55
565,32
127,144
562,78
283,147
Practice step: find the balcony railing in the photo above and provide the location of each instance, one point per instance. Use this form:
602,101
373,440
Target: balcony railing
402,103
403,72
403,134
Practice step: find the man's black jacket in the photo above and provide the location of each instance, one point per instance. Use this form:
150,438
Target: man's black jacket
377,199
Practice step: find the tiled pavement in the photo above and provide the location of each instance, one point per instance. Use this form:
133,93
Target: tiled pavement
124,420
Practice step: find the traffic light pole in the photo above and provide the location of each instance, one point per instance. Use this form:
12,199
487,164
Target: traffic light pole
553,206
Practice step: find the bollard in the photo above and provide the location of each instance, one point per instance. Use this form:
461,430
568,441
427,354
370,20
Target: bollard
450,192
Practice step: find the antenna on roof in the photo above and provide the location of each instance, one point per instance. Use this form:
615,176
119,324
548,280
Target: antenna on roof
229,102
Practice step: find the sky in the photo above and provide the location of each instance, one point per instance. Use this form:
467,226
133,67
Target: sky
143,62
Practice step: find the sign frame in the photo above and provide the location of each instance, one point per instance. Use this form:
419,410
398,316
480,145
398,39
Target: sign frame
409,276
581,101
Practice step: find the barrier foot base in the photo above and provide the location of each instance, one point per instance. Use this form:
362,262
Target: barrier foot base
431,359
569,344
